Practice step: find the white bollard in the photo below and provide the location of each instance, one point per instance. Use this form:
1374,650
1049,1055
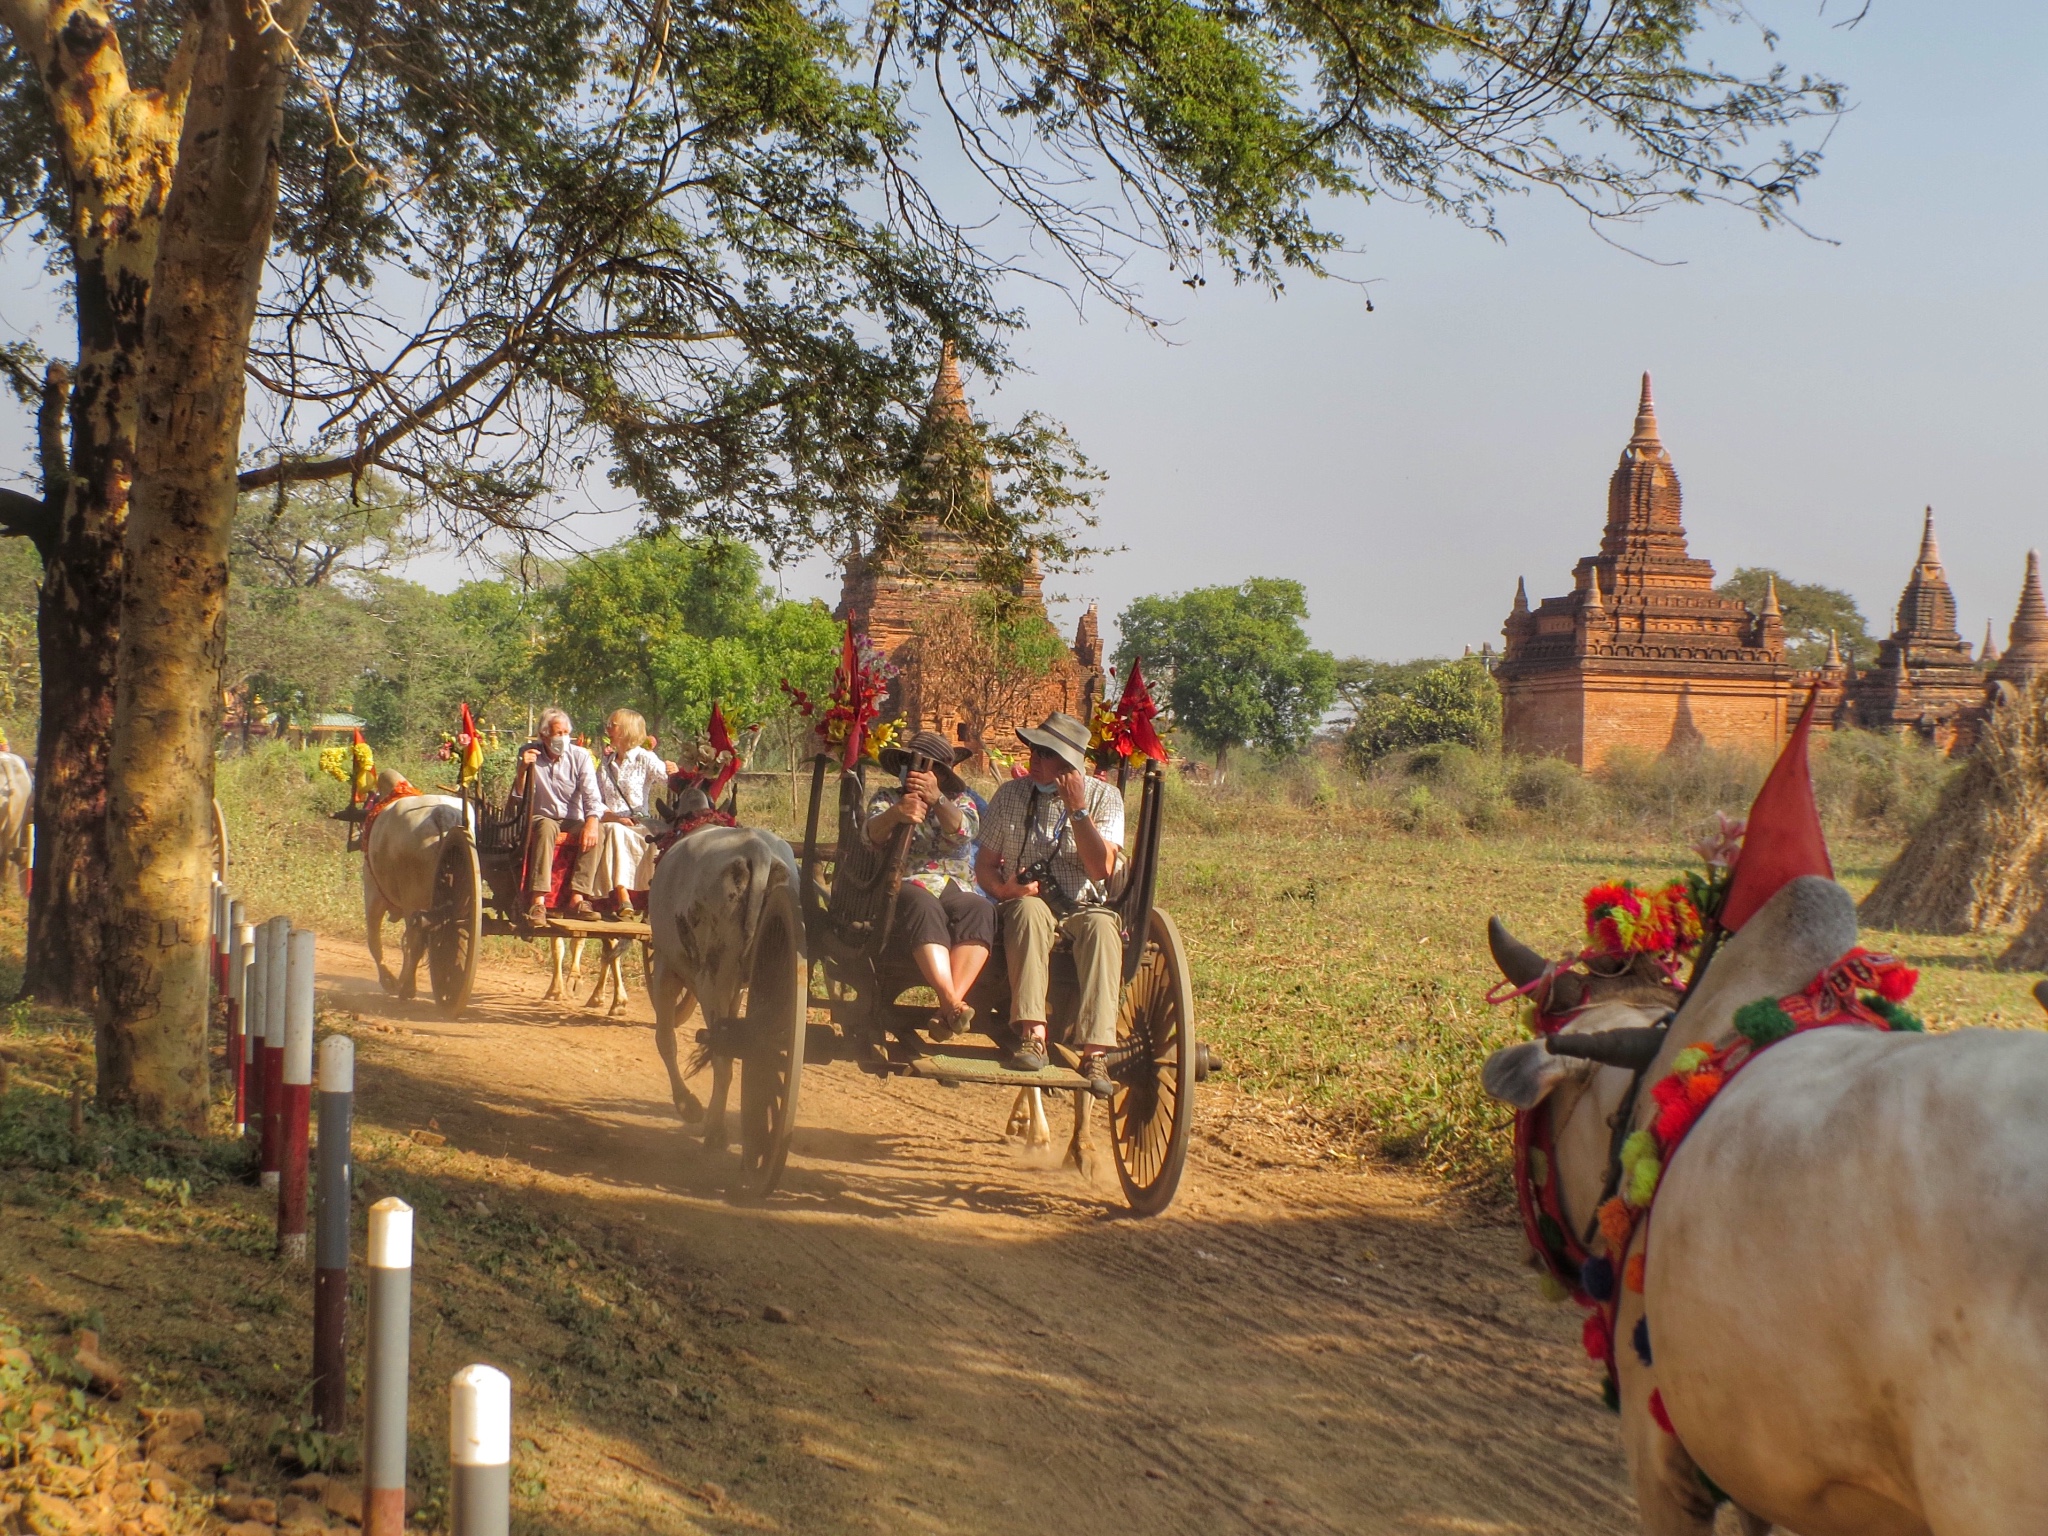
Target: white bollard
241,944
387,1375
255,989
480,1452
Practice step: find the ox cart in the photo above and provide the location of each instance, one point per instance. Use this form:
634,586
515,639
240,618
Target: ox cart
859,980
479,890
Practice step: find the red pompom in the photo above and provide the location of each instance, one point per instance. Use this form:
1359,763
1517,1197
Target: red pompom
1598,1341
1896,983
1657,1412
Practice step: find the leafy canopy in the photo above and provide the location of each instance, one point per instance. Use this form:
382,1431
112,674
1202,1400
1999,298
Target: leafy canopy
667,625
1809,611
690,244
1234,663
1398,705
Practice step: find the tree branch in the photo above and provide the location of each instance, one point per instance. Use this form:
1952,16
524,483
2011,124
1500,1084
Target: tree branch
27,517
50,447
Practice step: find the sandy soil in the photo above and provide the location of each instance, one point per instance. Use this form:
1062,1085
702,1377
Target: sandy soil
985,1345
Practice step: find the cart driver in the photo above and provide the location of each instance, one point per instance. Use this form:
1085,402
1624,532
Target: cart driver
1049,844
561,780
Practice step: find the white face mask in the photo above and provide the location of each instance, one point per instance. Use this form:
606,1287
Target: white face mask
557,745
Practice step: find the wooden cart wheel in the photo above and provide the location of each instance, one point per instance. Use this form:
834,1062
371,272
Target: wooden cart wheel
1153,1108
455,923
771,1058
220,844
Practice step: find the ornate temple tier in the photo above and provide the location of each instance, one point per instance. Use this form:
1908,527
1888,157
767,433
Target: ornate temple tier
1642,653
1925,680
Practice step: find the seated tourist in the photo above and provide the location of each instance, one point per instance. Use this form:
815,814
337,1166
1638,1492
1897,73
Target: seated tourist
947,924
561,781
1049,844
627,778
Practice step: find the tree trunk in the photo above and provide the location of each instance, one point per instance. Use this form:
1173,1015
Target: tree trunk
216,228
118,149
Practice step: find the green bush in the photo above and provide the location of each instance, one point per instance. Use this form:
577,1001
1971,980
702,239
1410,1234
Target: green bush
1551,789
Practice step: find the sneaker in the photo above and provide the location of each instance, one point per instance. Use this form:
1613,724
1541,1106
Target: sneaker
941,1029
1094,1067
582,910
1027,1055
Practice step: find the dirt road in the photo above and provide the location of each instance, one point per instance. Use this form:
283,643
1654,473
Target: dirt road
985,1346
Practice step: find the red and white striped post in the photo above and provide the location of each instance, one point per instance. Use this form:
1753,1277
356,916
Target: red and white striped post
255,1007
223,935
479,1452
276,937
330,1234
216,933
387,1377
297,1075
241,942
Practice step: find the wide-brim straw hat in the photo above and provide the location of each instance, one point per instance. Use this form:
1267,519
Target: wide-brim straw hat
1060,734
925,744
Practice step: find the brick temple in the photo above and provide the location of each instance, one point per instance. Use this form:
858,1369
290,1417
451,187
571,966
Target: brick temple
1925,679
1642,653
923,564
2026,646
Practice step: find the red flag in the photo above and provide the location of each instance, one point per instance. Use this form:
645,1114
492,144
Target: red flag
721,737
465,732
1784,840
358,738
1136,709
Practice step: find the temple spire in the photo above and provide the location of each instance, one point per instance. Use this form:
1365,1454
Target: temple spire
1646,416
1834,652
949,396
1990,652
1521,595
1593,603
2026,646
1930,553
1770,607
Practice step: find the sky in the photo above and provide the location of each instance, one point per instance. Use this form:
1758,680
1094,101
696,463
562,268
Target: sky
1407,464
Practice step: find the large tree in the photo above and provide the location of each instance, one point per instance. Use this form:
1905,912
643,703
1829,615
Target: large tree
1234,663
489,248
1811,614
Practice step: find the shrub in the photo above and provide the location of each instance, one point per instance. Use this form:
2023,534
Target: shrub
1551,788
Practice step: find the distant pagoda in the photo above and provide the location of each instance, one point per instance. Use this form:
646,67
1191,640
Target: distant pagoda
1925,680
1643,652
921,562
2026,645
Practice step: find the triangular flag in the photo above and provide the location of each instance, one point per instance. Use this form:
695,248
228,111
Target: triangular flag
721,736
1136,709
358,738
1784,840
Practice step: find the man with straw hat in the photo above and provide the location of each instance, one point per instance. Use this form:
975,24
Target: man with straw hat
949,925
1049,845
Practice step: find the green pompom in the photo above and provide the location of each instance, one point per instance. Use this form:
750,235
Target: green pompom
1642,1184
1552,1287
1640,1168
1900,1017
1763,1022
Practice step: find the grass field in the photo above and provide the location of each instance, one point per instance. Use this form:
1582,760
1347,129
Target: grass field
1340,963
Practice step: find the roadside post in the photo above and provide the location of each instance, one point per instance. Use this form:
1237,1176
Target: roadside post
233,916
330,1234
480,1452
296,1071
216,922
276,937
241,940
388,1376
255,991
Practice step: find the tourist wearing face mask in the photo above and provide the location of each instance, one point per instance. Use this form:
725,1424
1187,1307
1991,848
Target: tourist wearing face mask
562,781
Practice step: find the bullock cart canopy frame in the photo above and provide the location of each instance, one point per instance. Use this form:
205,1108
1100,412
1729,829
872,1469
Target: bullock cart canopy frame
849,898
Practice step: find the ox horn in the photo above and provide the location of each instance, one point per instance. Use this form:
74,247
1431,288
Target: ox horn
1517,961
1634,1049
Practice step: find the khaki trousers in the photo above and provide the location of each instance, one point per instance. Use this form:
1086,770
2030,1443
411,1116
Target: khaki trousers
540,859
1029,929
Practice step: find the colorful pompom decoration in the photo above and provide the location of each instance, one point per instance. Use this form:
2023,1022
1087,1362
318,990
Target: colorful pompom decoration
1763,1022
1594,1336
1615,1225
1901,1019
1552,1288
1632,1276
1624,919
1596,1278
1640,1168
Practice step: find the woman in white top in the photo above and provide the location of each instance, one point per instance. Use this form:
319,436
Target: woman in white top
627,779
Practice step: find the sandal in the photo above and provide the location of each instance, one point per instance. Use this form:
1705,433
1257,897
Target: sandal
941,1029
1028,1054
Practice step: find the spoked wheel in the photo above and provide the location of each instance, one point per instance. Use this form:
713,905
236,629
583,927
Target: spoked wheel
455,924
771,1058
1154,1104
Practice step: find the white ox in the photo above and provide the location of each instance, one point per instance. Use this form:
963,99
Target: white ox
399,859
17,818
704,909
1847,1261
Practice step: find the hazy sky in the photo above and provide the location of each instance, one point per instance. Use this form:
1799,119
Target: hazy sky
1408,464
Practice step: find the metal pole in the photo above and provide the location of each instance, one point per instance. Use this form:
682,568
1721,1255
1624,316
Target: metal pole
277,935
330,1234
388,1378
297,1074
256,991
242,944
480,1452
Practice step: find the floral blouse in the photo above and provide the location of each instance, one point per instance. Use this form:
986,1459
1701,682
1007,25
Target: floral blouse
937,858
628,786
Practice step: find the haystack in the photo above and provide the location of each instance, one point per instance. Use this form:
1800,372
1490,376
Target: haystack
1981,860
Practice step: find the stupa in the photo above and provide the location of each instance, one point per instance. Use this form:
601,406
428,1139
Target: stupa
1925,680
2026,645
1643,653
921,562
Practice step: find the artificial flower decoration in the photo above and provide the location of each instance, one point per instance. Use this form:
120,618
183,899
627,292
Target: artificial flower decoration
1627,920
858,687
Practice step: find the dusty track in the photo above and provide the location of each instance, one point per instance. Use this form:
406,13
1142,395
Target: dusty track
986,1346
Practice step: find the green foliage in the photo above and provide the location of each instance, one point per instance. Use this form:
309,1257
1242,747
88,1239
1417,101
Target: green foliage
1810,612
1234,663
21,673
667,624
1418,703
